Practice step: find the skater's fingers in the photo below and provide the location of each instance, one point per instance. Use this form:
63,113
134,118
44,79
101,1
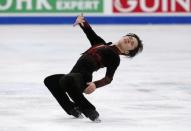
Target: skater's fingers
88,83
87,91
79,22
75,24
91,88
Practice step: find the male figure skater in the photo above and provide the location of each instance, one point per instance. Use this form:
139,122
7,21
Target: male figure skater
68,88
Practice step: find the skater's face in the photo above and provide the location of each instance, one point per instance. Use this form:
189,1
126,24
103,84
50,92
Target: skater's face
128,43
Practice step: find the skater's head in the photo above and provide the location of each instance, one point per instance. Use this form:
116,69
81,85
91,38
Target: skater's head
130,45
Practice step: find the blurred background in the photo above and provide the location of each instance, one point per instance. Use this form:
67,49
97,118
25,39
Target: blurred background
149,92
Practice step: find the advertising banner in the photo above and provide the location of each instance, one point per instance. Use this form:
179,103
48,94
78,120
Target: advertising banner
51,6
96,11
152,6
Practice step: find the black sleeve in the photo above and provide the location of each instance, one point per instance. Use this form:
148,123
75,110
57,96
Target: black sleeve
109,75
91,35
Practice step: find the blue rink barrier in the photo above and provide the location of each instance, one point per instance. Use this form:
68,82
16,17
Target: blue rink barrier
96,20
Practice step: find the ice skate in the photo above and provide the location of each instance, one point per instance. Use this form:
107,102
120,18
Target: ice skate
93,115
76,113
97,120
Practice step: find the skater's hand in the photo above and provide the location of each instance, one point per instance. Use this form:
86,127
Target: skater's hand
91,88
79,20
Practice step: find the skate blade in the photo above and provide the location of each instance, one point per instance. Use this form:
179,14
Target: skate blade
80,117
97,120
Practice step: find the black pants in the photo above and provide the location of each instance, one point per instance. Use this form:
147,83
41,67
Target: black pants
71,85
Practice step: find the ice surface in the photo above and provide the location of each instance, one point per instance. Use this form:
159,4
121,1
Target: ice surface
150,92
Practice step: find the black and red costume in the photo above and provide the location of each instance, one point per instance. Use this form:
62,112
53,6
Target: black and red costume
99,55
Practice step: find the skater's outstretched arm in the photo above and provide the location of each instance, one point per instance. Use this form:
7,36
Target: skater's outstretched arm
91,35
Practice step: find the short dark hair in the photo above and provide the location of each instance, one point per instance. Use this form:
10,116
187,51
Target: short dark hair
138,49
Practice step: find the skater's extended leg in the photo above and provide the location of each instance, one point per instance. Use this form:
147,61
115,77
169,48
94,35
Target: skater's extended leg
52,83
85,106
73,82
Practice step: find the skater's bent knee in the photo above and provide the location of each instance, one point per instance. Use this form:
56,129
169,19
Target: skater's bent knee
46,81
66,80
52,79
